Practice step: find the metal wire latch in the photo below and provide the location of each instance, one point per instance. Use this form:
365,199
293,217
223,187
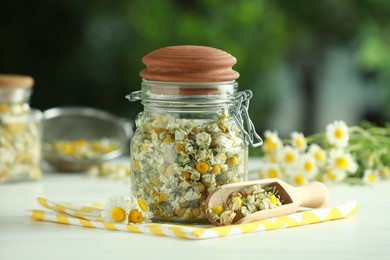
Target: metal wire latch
134,96
240,113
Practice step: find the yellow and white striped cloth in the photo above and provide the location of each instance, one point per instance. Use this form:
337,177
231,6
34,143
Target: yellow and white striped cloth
89,216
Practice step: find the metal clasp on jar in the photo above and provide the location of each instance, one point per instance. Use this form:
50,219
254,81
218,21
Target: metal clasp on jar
240,113
134,96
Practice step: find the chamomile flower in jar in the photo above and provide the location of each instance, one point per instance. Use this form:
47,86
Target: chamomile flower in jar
189,138
20,130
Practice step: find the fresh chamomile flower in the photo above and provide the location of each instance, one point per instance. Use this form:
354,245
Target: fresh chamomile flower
298,141
308,165
272,158
142,206
272,142
261,173
272,170
337,134
384,171
298,178
288,155
318,153
334,175
116,210
370,176
342,161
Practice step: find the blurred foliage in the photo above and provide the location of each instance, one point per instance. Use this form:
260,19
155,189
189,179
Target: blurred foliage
89,52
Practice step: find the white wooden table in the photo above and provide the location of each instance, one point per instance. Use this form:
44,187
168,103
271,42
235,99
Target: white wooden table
363,236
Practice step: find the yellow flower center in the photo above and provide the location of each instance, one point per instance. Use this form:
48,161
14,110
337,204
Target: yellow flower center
179,147
137,166
238,201
142,204
272,173
338,133
308,166
273,159
4,108
341,163
195,212
217,209
202,167
384,171
299,180
186,175
271,145
118,214
299,143
163,197
135,216
68,149
331,175
200,187
261,175
168,139
216,169
319,156
232,161
289,157
371,178
272,198
145,147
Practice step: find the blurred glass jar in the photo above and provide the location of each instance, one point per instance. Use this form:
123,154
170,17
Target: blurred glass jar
20,130
190,138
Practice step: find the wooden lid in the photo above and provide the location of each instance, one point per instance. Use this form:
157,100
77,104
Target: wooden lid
15,81
187,63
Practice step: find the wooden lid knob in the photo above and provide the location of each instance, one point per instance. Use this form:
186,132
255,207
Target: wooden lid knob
15,81
187,63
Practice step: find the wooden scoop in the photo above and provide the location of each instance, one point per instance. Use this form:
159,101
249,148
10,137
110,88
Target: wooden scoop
313,195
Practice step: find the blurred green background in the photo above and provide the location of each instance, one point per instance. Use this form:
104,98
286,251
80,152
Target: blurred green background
307,62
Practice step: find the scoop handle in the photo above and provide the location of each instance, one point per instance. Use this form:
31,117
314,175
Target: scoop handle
312,195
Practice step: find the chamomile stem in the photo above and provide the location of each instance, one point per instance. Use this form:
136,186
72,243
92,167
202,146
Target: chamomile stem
352,180
364,133
379,131
315,137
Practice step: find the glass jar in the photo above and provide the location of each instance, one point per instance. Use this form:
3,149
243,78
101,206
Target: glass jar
190,139
20,131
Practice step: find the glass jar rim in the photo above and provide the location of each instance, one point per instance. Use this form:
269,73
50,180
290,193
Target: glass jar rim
202,93
15,95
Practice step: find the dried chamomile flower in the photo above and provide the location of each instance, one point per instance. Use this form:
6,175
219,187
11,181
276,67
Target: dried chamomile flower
83,148
113,170
245,202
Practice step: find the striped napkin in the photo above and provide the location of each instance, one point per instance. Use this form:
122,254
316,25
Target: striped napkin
88,215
